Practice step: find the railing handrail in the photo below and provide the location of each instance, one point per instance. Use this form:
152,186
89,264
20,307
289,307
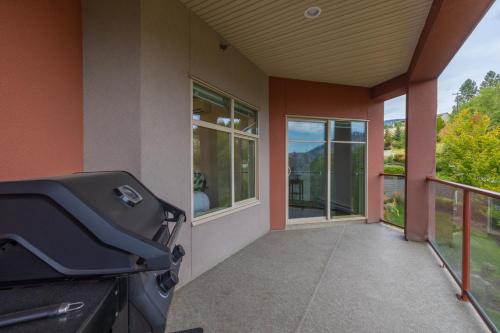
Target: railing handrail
393,174
489,193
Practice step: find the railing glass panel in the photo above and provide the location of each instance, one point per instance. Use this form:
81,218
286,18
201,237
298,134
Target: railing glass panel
485,254
446,232
394,199
465,232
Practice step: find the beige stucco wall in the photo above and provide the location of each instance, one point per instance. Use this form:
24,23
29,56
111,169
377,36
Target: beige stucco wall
139,57
111,91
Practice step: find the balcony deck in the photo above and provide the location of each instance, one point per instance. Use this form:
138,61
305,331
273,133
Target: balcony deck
348,278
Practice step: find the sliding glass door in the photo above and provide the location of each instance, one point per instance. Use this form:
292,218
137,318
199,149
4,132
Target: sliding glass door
326,169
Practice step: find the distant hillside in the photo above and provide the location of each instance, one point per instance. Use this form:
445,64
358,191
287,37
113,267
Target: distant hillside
391,122
445,116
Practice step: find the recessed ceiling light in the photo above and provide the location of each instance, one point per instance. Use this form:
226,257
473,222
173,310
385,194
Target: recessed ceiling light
312,12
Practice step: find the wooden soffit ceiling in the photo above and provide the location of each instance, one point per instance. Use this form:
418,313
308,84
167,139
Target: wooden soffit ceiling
352,42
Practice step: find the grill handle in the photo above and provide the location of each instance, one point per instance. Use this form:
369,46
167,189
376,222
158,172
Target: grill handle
179,217
175,232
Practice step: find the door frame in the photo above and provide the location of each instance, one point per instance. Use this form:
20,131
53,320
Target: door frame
327,218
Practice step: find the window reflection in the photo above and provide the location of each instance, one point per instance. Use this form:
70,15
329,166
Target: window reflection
211,170
245,118
211,107
347,179
307,179
344,130
306,130
244,169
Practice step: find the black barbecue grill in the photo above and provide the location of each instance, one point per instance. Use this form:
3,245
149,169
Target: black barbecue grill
88,226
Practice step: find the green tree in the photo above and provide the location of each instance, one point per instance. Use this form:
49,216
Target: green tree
488,103
466,92
397,132
470,152
399,137
491,79
440,123
387,140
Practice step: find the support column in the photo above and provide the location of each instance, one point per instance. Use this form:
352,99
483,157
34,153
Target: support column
421,109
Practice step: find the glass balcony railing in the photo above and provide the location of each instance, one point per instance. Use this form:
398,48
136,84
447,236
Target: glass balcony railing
394,199
446,231
465,232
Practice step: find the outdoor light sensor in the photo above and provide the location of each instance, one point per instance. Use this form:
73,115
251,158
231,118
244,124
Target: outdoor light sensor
312,12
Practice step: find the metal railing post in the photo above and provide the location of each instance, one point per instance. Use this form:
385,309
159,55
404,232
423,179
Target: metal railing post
466,246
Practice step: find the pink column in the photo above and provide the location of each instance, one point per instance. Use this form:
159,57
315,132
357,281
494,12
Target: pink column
421,107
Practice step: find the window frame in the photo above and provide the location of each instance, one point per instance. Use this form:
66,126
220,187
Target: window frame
234,133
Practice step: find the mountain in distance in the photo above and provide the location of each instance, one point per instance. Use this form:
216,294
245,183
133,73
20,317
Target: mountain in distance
391,122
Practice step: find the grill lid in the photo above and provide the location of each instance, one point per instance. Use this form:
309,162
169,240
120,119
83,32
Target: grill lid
84,224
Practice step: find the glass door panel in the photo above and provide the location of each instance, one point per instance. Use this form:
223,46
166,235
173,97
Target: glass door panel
307,151
347,179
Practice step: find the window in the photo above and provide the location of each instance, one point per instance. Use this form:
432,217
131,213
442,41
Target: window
225,143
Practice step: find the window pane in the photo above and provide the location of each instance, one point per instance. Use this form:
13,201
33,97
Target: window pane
211,170
306,130
245,119
346,130
211,107
244,169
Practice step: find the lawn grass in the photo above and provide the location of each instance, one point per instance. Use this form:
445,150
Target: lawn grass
395,216
485,262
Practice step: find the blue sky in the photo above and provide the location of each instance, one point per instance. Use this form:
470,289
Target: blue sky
479,54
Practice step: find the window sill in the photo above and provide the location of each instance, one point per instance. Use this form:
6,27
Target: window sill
223,212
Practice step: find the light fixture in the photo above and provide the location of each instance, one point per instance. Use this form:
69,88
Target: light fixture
312,12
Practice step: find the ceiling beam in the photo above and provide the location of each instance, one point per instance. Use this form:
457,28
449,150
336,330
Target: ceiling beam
448,25
389,89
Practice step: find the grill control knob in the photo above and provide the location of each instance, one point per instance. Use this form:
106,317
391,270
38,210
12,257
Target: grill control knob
178,252
167,281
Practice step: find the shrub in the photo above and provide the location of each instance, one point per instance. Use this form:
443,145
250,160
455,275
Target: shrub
444,204
394,169
399,157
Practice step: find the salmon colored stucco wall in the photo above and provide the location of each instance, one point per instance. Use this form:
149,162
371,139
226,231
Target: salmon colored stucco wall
305,98
41,120
421,110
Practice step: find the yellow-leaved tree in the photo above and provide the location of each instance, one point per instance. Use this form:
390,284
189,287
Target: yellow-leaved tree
471,150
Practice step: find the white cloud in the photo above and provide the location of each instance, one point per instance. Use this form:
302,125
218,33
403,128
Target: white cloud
395,108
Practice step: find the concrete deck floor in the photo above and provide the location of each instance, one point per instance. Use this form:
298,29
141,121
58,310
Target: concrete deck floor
348,278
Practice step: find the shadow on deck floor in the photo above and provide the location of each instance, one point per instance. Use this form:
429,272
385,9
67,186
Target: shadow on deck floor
349,278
